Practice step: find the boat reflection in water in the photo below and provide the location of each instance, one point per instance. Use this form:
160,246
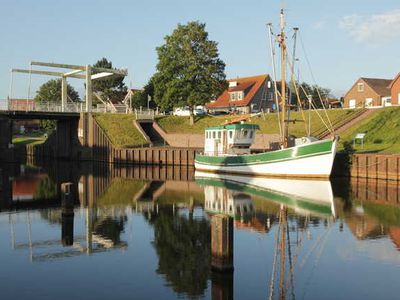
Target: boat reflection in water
229,194
232,196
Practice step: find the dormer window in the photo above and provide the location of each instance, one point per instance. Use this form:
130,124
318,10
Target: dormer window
360,87
239,95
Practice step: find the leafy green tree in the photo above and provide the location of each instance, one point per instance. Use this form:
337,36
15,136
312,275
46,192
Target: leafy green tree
140,98
189,71
109,88
306,90
51,92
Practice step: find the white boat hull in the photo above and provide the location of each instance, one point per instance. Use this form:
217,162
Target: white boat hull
316,165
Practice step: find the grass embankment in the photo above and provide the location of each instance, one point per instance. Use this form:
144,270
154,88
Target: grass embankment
268,123
121,130
382,128
121,192
382,132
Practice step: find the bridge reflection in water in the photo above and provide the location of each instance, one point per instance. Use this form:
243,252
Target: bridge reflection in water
193,218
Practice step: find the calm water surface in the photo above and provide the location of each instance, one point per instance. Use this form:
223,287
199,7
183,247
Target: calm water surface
135,233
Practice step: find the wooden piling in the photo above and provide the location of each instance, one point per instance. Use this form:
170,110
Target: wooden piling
222,243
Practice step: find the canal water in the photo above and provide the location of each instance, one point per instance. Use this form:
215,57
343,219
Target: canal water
100,232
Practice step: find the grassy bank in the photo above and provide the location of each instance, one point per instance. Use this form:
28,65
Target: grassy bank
382,132
268,123
121,192
382,128
121,130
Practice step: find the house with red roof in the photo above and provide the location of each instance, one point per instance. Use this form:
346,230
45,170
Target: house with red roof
245,95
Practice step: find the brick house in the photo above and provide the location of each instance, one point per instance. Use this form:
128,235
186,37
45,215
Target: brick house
395,90
245,95
368,92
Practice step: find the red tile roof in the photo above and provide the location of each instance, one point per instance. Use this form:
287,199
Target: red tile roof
250,86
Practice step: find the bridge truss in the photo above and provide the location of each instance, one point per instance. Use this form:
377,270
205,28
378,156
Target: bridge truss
87,73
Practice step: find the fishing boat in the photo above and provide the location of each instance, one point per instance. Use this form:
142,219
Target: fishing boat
227,147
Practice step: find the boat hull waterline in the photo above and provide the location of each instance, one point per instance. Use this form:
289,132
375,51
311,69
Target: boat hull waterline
313,160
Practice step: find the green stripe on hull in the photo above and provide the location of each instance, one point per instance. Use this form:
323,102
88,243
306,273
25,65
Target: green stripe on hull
313,149
289,200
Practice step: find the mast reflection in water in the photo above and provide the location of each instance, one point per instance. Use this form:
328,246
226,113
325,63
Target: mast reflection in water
98,232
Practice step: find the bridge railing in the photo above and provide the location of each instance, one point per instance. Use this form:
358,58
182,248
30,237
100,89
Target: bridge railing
47,107
145,114
77,107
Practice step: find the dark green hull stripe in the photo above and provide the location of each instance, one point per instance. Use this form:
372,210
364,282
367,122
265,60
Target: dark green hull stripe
317,149
281,198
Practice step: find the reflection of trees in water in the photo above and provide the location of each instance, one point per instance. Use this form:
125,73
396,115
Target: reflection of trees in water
183,247
110,228
46,189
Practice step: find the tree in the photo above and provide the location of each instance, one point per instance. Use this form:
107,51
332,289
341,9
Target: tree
109,88
51,92
315,91
140,98
189,71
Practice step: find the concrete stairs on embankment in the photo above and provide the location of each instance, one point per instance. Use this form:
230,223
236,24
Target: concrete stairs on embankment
151,134
343,124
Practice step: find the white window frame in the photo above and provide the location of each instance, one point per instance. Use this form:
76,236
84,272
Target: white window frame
233,96
386,101
360,87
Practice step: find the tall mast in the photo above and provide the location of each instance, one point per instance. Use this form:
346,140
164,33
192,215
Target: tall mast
282,44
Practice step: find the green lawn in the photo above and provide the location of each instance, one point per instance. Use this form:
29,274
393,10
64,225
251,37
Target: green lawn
268,123
382,131
121,130
382,128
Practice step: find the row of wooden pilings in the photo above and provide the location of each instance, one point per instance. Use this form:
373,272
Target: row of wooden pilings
375,166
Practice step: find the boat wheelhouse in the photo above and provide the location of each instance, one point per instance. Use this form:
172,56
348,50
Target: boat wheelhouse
229,139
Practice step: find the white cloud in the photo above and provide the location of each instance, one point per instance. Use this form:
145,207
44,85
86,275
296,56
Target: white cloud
375,29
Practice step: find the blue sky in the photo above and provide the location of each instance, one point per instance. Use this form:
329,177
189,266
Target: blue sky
344,39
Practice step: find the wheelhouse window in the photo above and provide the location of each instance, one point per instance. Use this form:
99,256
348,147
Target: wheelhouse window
230,134
213,134
219,134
